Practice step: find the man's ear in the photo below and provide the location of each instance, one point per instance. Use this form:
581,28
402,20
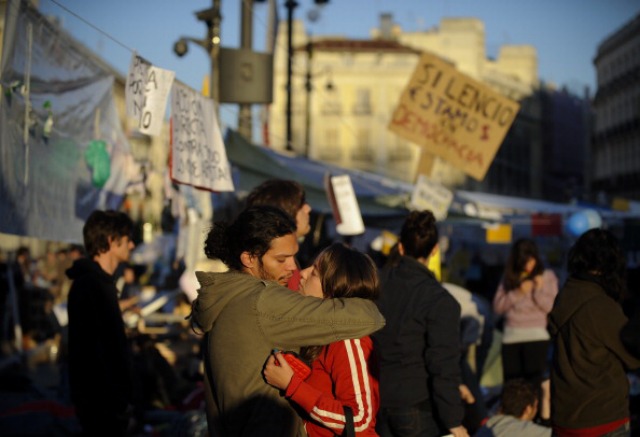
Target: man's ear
401,249
529,412
434,250
247,260
111,241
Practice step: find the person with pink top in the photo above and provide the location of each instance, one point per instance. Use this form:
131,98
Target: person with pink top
524,297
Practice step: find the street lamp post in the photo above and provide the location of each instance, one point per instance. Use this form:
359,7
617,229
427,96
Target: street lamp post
291,5
246,43
212,18
308,87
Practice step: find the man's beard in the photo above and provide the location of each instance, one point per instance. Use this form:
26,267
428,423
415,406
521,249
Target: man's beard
268,277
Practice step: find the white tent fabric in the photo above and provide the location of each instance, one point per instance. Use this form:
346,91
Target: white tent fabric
62,149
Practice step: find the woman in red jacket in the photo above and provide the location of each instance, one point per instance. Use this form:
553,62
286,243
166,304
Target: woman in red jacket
343,373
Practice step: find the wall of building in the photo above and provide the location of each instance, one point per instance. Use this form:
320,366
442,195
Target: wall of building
616,140
348,123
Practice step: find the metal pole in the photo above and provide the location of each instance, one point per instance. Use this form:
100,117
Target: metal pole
309,89
246,42
291,5
214,50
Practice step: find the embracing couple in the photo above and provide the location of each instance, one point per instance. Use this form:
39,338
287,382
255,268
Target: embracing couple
247,313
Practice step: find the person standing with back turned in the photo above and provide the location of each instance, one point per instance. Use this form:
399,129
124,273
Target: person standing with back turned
419,347
99,355
589,385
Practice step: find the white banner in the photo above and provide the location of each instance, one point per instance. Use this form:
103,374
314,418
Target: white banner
146,94
198,156
432,196
350,219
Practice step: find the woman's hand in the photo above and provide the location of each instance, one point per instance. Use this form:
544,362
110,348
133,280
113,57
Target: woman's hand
277,371
537,282
527,286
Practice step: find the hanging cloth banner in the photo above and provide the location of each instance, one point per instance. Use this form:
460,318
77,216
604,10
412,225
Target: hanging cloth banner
73,165
198,156
146,94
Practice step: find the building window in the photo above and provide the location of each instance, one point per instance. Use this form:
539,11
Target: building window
331,150
363,102
401,152
331,104
362,151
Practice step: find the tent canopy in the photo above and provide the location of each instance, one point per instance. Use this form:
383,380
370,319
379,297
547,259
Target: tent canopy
380,197
257,164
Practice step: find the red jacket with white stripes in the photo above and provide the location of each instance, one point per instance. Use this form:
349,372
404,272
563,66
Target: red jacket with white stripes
345,373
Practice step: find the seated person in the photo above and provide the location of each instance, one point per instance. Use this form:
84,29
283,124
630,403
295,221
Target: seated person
519,405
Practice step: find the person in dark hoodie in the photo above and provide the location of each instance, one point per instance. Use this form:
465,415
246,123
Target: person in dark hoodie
419,347
589,386
99,356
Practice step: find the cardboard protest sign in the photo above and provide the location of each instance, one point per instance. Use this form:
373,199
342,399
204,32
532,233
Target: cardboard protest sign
198,156
425,165
453,116
146,94
344,204
432,196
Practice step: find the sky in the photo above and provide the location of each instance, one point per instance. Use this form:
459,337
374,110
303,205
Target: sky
566,33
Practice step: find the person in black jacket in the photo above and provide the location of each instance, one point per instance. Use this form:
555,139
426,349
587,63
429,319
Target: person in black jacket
419,347
99,355
589,384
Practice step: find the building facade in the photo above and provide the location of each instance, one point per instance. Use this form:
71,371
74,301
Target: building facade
615,163
344,91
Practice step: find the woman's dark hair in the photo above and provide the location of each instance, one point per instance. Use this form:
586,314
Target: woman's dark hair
344,272
521,252
597,255
252,231
285,194
347,272
419,234
101,226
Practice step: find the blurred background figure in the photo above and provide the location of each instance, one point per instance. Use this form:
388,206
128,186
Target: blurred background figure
100,361
518,407
525,297
290,197
590,389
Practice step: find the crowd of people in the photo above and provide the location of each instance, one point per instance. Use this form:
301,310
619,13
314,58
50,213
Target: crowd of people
349,346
